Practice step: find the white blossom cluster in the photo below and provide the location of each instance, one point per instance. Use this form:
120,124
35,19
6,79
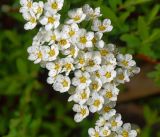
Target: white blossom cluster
80,62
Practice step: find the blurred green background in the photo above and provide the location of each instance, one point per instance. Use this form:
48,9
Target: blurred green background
28,105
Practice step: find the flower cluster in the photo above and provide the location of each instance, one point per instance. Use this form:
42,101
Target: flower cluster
80,62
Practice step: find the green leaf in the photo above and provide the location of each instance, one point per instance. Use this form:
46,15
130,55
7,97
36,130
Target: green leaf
153,13
22,67
129,3
143,28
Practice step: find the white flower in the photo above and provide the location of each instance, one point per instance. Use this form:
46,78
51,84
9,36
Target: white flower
97,40
110,92
80,96
54,67
90,13
80,60
67,65
107,50
101,121
63,41
72,31
38,8
52,36
82,112
51,79
50,20
94,132
53,52
71,52
95,102
104,26
115,122
27,6
107,110
85,39
126,131
62,83
107,73
133,70
40,38
122,76
53,6
93,61
31,20
105,131
96,84
109,60
125,61
37,53
76,16
81,79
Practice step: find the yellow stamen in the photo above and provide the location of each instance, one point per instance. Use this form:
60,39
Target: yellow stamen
109,94
52,52
29,4
108,74
83,95
91,63
54,6
63,42
83,111
97,103
106,109
77,18
51,20
125,134
114,123
65,83
103,52
102,28
83,79
83,40
71,33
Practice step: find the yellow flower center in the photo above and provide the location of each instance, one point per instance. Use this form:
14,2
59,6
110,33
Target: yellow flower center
63,42
39,10
91,63
51,20
52,52
102,28
97,74
106,109
83,95
71,33
83,111
94,41
83,40
81,61
72,51
54,6
105,132
53,37
94,86
125,133
29,4
121,76
125,63
96,134
68,66
57,66
108,74
77,18
109,94
97,103
103,52
33,20
114,123
39,54
83,79
65,83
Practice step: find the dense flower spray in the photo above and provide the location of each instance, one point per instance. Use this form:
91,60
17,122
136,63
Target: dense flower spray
80,62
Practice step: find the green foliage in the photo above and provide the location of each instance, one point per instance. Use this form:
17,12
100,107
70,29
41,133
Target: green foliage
29,108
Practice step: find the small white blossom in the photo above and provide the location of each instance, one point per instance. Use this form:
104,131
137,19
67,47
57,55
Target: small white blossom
110,92
95,102
53,52
126,131
101,121
93,61
53,6
81,79
96,84
52,36
90,13
94,132
76,16
80,61
80,96
82,112
115,122
27,6
105,131
104,26
97,40
67,65
71,52
125,61
38,8
85,39
62,83
107,73
50,20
